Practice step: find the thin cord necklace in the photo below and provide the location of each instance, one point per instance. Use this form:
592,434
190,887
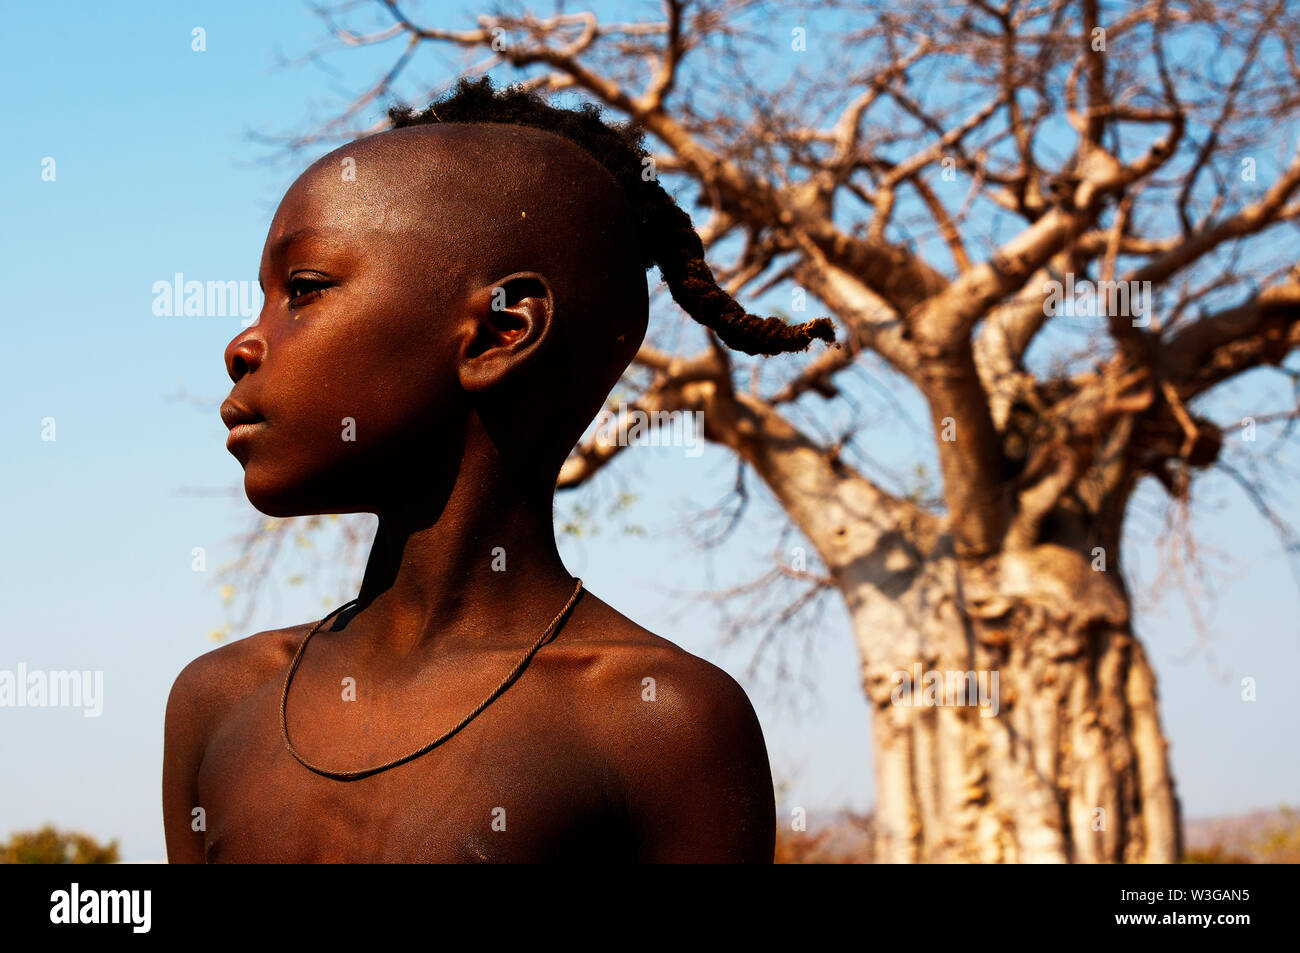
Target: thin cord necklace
366,772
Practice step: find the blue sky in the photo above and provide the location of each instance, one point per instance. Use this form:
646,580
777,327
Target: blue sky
156,174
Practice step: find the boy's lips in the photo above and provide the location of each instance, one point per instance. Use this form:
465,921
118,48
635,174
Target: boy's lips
240,420
234,413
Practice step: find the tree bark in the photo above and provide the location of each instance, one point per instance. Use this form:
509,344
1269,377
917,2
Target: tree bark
1065,762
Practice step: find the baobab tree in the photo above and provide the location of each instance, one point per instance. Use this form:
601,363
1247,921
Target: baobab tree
953,185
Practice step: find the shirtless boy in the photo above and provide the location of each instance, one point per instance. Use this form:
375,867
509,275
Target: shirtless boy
448,304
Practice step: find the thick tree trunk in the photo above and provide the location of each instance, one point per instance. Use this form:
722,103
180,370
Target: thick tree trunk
1066,761
1050,751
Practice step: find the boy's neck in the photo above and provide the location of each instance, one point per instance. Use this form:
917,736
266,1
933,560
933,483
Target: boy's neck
486,568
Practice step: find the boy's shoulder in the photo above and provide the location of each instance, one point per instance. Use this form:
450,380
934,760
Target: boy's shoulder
233,671
679,737
626,669
615,647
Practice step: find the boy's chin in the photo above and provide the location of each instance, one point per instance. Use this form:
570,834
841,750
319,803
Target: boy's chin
283,502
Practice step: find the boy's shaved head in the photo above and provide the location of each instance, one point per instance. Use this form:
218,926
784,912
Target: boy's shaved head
482,201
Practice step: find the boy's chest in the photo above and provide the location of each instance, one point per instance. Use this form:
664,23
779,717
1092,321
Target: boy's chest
511,786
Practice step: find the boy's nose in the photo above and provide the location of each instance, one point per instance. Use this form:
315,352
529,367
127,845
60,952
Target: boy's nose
243,355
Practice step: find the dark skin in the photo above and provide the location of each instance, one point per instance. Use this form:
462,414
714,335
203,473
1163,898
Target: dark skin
443,301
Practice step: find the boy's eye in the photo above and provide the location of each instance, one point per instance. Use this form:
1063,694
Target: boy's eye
304,289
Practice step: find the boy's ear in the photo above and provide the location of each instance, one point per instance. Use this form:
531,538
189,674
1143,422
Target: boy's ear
506,323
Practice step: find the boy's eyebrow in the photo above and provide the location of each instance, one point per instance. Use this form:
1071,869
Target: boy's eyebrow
281,246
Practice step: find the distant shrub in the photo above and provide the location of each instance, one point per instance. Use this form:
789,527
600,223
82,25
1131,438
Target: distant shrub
1218,854
1278,844
50,846
1282,844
